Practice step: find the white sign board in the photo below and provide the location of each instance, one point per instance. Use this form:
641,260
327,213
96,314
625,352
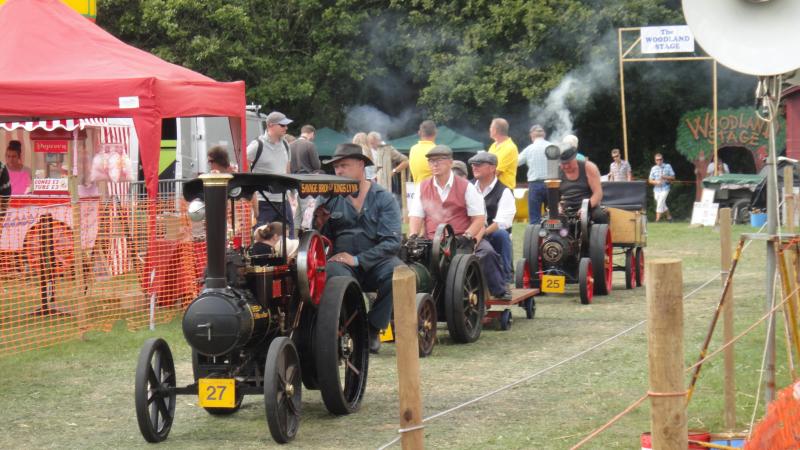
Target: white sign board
672,39
705,214
50,185
410,189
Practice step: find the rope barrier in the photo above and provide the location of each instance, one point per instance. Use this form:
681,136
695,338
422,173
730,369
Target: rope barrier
543,371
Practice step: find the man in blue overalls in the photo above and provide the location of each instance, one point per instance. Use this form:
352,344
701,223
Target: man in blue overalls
365,230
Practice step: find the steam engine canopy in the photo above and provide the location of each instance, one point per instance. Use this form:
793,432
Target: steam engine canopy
222,320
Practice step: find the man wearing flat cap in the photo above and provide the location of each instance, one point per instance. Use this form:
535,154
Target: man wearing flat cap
500,208
447,198
270,154
580,180
533,156
365,232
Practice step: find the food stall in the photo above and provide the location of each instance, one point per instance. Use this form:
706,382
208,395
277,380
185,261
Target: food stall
72,164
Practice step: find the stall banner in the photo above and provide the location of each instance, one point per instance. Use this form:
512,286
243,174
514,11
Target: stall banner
44,186
19,220
50,146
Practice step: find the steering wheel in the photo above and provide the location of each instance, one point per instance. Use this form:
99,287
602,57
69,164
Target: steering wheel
583,215
443,249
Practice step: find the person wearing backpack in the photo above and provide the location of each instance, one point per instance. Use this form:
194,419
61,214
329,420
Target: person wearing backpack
270,154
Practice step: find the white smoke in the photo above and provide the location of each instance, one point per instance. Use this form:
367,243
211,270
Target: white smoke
575,90
367,118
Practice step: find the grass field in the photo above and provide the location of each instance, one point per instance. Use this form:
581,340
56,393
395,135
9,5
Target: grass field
80,394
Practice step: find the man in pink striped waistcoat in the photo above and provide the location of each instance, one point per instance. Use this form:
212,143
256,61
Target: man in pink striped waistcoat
445,198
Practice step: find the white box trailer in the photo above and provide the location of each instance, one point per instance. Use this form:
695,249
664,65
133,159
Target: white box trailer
195,135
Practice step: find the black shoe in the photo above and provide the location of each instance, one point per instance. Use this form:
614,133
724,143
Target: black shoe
374,340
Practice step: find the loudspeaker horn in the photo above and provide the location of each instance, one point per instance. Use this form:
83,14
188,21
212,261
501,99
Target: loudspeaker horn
756,37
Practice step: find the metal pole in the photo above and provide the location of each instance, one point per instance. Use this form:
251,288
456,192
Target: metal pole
714,83
622,95
772,89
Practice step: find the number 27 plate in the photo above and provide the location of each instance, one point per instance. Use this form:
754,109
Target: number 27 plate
553,283
217,392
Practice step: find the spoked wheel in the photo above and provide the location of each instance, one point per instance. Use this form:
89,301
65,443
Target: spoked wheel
311,261
522,274
442,250
601,251
155,390
530,308
639,266
197,361
282,389
586,280
341,344
426,324
531,254
506,319
464,299
630,269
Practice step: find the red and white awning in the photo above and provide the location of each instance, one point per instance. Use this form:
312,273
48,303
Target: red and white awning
64,124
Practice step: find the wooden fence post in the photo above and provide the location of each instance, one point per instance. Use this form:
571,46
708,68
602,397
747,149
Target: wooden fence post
727,323
404,286
665,344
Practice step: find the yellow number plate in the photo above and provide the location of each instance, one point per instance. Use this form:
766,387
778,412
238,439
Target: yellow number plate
217,392
553,283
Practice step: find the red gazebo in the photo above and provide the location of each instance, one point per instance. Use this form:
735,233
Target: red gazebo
54,63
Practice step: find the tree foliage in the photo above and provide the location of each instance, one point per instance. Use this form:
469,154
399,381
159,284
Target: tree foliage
460,62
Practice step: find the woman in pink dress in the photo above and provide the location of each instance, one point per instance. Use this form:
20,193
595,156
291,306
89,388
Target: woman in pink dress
19,174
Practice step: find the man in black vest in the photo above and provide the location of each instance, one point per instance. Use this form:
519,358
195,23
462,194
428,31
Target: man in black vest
500,208
581,180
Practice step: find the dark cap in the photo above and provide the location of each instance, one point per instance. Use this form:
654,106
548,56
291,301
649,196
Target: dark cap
484,158
459,166
536,127
440,150
348,150
568,154
279,118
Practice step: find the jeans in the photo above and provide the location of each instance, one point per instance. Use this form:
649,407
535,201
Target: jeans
378,278
492,266
267,213
537,196
501,242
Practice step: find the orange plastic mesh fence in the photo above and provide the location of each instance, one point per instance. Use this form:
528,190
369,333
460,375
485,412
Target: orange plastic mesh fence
780,427
58,281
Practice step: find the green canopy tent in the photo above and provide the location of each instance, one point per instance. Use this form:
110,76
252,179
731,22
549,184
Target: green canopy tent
327,139
457,142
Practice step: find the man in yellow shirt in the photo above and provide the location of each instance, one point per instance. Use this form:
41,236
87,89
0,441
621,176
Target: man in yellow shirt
506,151
417,161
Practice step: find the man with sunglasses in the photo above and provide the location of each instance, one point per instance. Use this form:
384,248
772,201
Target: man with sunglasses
447,198
270,154
661,177
581,180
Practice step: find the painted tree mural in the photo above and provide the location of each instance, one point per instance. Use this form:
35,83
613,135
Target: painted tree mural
739,127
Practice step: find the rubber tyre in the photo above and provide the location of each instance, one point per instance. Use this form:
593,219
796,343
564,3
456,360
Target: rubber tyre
522,274
506,319
530,308
426,324
586,281
282,406
630,269
305,348
531,254
197,373
601,253
639,266
341,342
155,374
465,299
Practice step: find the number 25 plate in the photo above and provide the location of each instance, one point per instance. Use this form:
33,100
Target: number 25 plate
217,392
553,283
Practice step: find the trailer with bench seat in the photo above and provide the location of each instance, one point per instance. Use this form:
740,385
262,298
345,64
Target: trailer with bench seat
626,204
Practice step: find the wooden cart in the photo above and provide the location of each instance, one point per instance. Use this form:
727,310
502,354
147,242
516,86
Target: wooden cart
626,203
